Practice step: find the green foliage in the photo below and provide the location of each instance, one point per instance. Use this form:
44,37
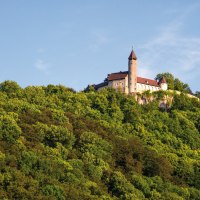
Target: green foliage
9,130
174,83
35,95
182,102
94,144
169,78
53,191
53,134
122,188
11,88
56,143
197,94
28,162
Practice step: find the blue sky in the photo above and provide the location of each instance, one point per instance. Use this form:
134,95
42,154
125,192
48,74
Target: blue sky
78,42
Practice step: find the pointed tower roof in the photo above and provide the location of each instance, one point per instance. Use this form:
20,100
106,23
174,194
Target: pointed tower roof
132,56
163,80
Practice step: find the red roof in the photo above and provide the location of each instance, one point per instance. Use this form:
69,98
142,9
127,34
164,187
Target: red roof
132,56
147,81
117,76
122,75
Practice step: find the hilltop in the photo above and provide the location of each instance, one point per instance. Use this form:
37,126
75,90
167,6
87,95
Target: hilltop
57,143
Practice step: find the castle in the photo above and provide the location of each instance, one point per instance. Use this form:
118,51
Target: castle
129,83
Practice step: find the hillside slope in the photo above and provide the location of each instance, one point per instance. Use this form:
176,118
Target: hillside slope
56,143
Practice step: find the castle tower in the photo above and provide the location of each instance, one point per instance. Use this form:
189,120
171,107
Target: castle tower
163,84
132,73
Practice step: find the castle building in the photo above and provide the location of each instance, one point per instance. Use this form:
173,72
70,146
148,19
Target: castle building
129,83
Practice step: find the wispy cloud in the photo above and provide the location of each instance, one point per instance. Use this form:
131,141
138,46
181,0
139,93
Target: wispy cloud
42,66
182,53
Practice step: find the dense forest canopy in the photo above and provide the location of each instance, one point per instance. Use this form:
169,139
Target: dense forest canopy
56,143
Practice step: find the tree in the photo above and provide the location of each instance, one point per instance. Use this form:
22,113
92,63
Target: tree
11,88
169,78
53,191
35,95
174,83
122,188
9,130
50,135
59,144
197,94
180,86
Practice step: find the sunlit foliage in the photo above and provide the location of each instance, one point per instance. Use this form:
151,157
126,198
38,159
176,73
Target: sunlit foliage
56,143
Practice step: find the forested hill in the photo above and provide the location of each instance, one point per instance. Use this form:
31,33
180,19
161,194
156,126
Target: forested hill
56,143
